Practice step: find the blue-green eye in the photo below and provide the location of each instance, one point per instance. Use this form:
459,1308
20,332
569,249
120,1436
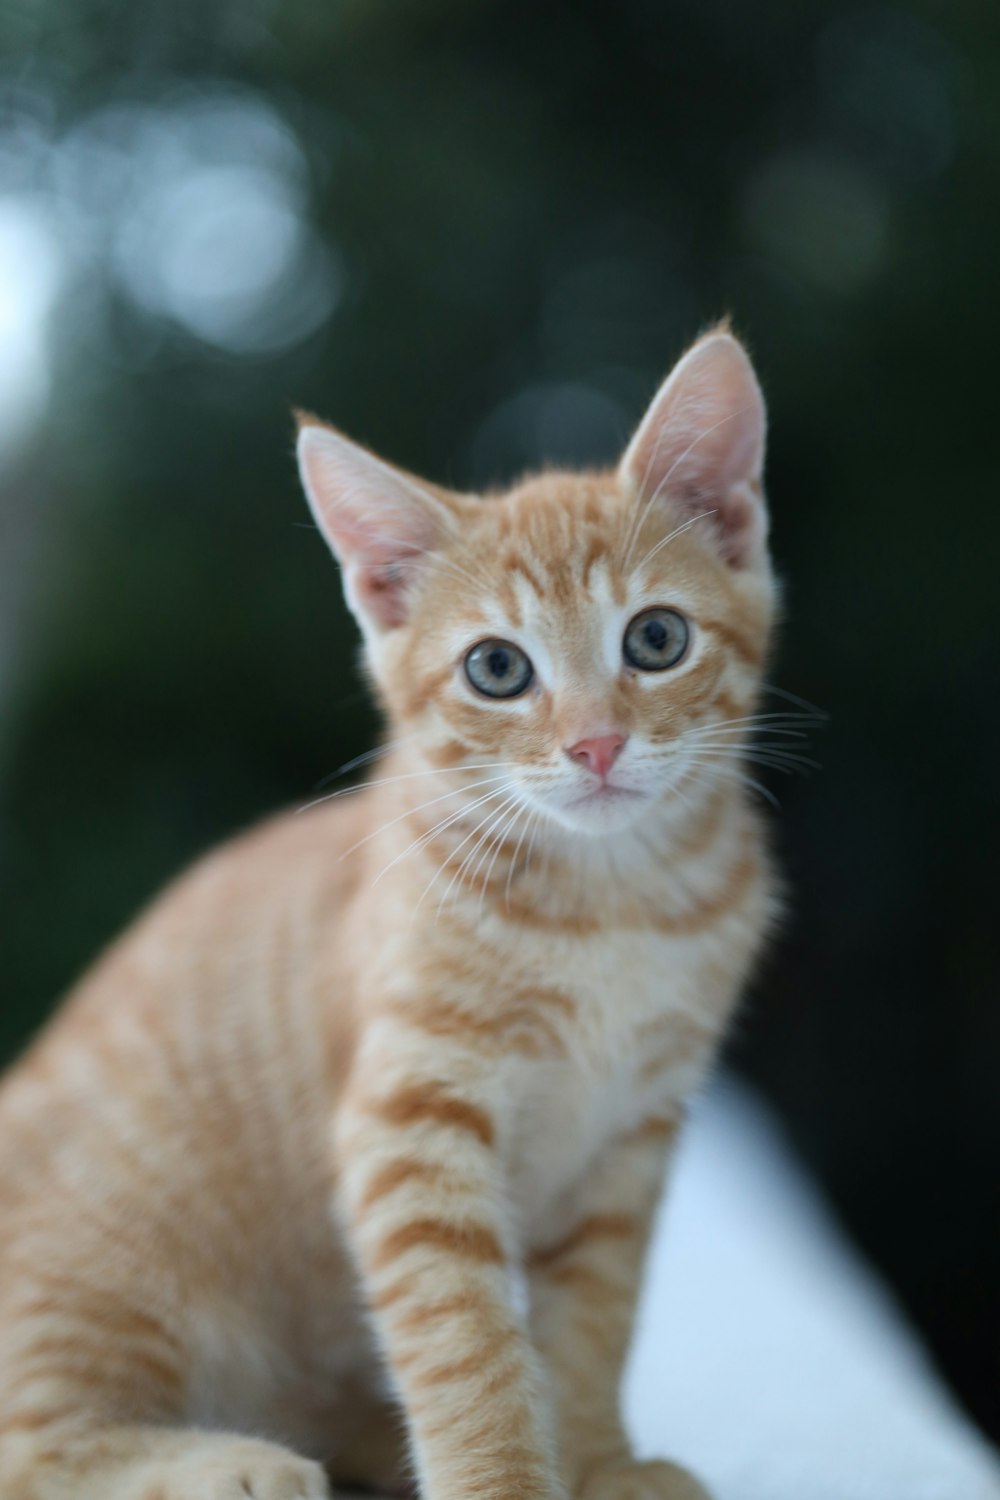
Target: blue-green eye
656,639
498,669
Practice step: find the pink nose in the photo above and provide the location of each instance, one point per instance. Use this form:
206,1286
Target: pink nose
598,753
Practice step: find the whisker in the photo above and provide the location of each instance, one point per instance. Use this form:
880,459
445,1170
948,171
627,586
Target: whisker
409,811
741,739
776,756
744,780
471,855
779,692
744,730
764,791
497,792
677,790
440,826
379,752
498,845
514,858
478,580
486,765
799,767
486,845
431,557
752,735
531,841
676,532
783,719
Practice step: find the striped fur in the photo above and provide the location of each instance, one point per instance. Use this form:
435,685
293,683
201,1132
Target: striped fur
341,1164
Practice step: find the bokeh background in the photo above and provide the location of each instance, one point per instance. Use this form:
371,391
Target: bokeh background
476,235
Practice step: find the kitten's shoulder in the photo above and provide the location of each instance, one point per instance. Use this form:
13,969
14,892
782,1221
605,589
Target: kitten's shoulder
286,870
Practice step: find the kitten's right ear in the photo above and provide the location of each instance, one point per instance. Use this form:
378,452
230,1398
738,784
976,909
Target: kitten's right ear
379,522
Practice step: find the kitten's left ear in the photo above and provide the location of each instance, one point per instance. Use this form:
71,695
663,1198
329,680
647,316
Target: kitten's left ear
701,445
380,522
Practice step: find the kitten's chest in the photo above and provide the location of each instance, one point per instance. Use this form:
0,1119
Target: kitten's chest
634,1037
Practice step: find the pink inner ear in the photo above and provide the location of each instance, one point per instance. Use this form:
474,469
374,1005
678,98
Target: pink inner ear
378,522
701,445
381,551
379,589
372,535
380,565
743,521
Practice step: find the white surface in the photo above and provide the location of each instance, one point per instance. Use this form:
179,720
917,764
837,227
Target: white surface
768,1358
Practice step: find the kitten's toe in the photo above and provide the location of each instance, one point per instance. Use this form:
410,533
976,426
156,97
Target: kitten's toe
295,1479
655,1479
245,1470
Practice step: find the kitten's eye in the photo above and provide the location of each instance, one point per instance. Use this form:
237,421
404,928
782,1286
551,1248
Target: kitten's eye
656,639
498,669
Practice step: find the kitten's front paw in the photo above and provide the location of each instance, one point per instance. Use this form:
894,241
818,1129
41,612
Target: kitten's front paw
241,1469
632,1480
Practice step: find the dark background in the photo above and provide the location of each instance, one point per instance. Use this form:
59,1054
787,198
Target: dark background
476,235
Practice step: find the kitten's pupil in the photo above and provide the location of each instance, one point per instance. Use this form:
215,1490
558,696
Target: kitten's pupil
498,663
656,634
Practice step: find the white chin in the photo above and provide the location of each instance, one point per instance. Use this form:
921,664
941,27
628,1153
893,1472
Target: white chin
600,813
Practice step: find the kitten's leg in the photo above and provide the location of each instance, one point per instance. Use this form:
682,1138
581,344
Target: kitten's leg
420,1189
152,1463
583,1295
91,1391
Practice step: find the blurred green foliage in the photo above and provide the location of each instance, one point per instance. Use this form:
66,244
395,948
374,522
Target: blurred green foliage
490,229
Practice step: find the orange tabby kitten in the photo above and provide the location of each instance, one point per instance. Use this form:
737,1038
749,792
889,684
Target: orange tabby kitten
342,1161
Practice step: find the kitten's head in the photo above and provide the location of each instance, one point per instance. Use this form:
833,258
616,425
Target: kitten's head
592,635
